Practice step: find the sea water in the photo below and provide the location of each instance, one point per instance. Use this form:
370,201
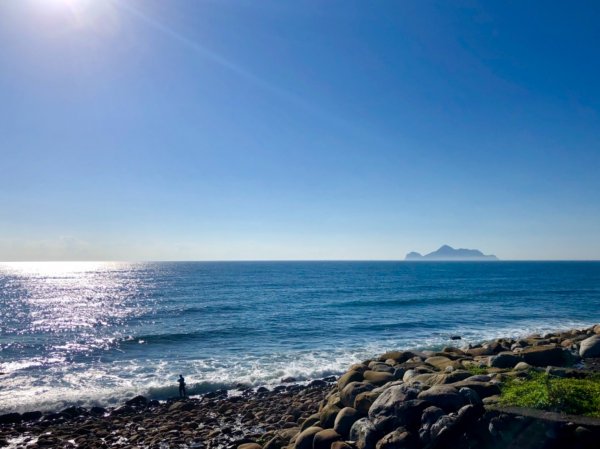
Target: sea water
100,333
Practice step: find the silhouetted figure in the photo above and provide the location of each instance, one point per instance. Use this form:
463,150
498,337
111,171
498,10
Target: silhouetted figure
181,386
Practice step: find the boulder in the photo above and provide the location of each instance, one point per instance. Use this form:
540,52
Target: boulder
10,418
397,356
378,378
31,416
504,360
327,416
138,401
249,446
442,362
341,445
364,401
311,421
182,406
483,389
590,347
344,421
400,414
353,389
596,329
381,367
543,355
324,438
471,396
389,401
398,439
444,396
522,366
306,437
364,434
350,376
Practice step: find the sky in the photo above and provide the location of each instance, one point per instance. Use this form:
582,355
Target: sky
266,130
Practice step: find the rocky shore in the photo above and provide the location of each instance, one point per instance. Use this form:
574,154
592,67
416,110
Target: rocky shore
402,399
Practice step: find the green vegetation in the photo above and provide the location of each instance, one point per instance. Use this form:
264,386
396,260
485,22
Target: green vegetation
566,395
476,370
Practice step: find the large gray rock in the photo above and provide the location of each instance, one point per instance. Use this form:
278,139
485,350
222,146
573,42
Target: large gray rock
364,434
590,347
444,396
391,401
344,421
353,389
403,414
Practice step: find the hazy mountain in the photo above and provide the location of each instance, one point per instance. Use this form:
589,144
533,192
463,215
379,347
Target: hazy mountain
448,253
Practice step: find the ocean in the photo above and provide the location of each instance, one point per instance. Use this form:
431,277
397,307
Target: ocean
88,333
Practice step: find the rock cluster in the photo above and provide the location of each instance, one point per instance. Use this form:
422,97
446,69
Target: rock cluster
402,399
215,421
447,399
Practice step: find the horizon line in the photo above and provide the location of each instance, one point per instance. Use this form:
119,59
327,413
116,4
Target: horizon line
290,260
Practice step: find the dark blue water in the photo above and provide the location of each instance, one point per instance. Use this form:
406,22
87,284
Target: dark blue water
102,332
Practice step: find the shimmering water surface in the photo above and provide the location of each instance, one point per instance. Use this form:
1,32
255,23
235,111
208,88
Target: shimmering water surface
99,333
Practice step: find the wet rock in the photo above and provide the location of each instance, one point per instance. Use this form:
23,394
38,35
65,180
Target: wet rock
324,438
444,396
341,445
288,380
138,401
344,421
97,411
364,434
317,383
590,347
10,418
31,416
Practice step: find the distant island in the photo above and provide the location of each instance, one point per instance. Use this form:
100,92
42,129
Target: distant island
448,253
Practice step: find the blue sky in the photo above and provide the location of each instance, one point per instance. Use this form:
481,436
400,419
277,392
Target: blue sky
210,130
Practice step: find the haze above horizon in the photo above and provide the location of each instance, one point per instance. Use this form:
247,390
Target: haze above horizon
239,130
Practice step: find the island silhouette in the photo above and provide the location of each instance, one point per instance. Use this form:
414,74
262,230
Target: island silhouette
447,253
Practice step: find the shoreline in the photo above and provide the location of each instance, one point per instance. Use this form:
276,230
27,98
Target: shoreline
263,416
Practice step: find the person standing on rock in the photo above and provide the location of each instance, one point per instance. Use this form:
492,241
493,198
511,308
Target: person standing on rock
181,386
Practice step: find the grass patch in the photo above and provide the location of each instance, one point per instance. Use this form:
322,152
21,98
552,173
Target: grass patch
476,370
557,394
